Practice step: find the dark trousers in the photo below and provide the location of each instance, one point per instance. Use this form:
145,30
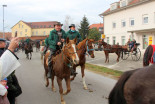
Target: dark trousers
52,52
45,49
11,100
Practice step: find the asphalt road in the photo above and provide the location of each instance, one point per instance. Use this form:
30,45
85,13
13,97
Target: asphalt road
31,79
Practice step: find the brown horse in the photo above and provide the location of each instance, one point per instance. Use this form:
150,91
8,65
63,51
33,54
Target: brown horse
83,48
110,49
135,87
28,50
61,70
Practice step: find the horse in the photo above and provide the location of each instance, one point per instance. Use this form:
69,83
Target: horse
37,44
148,55
111,49
83,48
28,49
135,87
61,70
22,46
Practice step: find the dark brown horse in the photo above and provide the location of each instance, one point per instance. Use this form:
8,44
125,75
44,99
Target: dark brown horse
148,55
110,49
28,50
37,44
61,70
135,87
83,48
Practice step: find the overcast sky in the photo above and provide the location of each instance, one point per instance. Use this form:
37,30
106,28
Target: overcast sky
51,10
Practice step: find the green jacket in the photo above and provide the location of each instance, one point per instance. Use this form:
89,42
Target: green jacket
54,39
46,42
28,40
72,35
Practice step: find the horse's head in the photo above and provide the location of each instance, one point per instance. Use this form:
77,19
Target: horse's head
90,47
70,50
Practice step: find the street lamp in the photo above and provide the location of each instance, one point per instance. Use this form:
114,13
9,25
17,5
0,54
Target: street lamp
3,20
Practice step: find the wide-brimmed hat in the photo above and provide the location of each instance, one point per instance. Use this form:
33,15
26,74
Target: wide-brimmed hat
58,23
72,25
1,39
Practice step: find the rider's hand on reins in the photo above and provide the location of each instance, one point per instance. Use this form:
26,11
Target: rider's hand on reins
13,44
59,43
63,40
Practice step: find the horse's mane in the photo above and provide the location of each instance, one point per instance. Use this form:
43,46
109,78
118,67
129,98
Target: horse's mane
80,45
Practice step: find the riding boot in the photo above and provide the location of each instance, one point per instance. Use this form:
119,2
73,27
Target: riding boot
50,69
45,50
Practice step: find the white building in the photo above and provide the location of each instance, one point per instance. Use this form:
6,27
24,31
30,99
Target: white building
130,19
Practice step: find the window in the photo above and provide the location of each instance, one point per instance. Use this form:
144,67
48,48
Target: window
145,19
21,33
123,3
36,32
44,33
123,40
19,25
100,28
108,40
22,26
41,26
25,35
123,23
132,22
49,25
44,26
114,40
25,30
114,25
32,33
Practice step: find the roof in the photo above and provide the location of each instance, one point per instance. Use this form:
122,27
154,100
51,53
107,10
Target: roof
48,24
131,3
8,35
35,25
96,25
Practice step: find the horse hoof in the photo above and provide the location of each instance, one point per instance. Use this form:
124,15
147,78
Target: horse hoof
63,102
85,88
53,89
65,93
47,85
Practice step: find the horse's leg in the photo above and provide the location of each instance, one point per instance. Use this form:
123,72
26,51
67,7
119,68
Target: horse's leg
30,55
53,88
117,56
108,57
105,56
67,85
74,67
59,81
83,76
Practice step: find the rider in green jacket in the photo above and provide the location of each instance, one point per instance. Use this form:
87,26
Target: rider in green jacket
72,33
55,41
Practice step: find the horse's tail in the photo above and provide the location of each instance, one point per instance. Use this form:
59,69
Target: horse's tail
117,94
147,55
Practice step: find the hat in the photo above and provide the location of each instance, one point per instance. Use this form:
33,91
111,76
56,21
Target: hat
1,39
58,23
72,25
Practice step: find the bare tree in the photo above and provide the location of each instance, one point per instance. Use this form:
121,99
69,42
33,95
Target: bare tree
67,22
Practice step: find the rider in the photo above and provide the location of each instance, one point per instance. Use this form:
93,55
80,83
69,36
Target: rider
55,41
28,40
46,45
72,33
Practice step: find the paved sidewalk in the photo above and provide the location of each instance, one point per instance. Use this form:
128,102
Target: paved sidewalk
122,65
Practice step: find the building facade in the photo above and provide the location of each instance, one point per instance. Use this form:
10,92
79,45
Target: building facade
33,30
130,19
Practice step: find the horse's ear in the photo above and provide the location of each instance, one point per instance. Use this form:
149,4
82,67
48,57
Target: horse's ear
75,40
67,40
